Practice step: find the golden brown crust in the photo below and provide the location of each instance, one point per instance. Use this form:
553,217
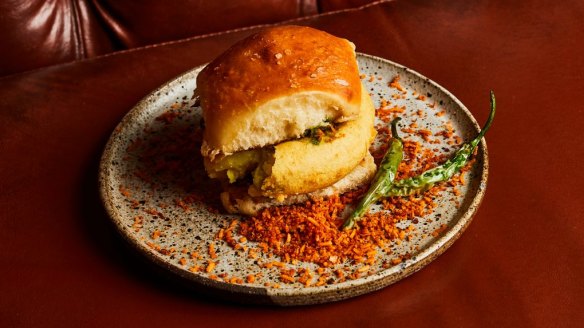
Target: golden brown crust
302,167
274,63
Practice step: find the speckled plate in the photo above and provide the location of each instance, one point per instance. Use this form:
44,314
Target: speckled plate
168,210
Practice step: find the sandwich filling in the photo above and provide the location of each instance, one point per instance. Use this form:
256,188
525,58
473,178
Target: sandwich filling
323,155
258,162
237,166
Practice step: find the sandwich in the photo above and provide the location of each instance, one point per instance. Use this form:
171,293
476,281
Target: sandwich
286,119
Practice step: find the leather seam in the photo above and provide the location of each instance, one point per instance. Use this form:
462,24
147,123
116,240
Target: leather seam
241,29
202,36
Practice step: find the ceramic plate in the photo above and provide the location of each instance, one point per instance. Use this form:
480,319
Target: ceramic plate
154,188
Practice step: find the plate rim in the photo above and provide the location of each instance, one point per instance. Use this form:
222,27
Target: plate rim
294,296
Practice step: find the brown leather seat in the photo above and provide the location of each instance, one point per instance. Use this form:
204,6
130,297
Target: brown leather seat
38,33
519,263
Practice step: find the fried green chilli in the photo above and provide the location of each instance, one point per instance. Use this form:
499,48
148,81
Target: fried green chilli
383,178
419,183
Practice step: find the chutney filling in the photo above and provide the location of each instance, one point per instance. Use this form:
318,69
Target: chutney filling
257,163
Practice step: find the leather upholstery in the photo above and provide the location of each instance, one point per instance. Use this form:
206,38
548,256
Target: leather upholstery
333,5
146,22
519,263
37,33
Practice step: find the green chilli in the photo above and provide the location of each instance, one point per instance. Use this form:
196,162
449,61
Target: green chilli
383,182
445,171
383,178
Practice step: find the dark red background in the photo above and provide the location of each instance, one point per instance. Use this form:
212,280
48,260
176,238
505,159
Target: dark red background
520,263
